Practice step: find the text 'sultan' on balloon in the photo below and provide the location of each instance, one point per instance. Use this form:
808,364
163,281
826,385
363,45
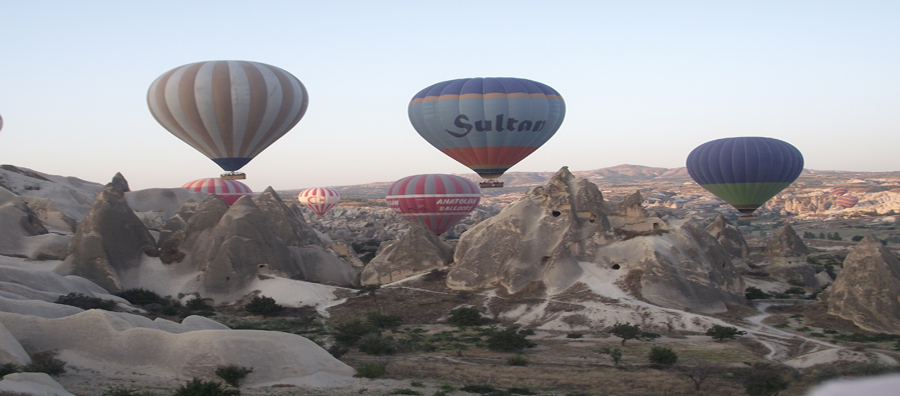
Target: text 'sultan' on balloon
319,200
228,110
228,190
438,201
487,124
745,171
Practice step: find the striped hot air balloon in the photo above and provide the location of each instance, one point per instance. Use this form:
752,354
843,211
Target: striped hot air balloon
228,110
319,200
438,201
1,122
487,124
839,190
846,201
745,171
228,190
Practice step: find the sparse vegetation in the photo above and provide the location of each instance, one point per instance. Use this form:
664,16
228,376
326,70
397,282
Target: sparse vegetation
517,360
753,293
369,370
508,340
262,305
764,383
466,316
45,362
384,321
125,391
199,387
85,302
628,331
662,355
233,374
141,296
720,333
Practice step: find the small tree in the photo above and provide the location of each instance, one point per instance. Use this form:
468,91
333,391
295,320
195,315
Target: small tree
262,305
508,340
698,371
614,353
764,383
369,290
466,316
628,331
720,333
662,355
752,293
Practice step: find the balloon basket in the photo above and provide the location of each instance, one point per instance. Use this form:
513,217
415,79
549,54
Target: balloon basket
234,176
491,184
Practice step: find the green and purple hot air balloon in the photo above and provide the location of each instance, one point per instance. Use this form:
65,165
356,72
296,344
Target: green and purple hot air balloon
745,171
487,124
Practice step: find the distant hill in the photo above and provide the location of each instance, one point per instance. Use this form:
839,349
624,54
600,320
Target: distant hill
612,176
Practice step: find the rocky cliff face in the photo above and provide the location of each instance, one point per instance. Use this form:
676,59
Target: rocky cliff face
559,234
786,244
729,237
417,252
111,240
867,291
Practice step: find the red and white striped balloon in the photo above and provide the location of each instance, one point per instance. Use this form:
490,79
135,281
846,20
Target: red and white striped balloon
438,201
319,200
228,190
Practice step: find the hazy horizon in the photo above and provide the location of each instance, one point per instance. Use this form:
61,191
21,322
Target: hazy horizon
644,82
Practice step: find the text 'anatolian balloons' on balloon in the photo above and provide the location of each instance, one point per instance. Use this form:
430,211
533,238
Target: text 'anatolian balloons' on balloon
438,201
228,110
846,201
745,171
319,200
487,124
228,190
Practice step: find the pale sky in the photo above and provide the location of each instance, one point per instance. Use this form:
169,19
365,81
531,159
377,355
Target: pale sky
644,82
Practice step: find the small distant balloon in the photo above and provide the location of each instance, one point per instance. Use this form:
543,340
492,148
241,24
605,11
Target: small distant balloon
438,201
487,124
228,110
846,201
1,122
228,190
319,200
745,171
839,190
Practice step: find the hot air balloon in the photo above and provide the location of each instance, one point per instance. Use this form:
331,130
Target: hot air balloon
846,201
839,190
228,110
745,171
228,190
438,201
487,124
1,122
319,200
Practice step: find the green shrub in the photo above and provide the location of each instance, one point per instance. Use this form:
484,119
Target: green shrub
375,344
233,374
466,316
764,383
405,391
198,387
519,391
262,305
141,296
508,340
662,355
416,384
84,302
337,350
628,331
197,304
481,389
369,370
384,321
752,293
45,362
574,335
350,332
124,391
720,333
517,360
8,368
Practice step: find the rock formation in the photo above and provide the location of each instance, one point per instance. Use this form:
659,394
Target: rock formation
787,256
558,234
289,227
110,241
417,252
867,291
729,237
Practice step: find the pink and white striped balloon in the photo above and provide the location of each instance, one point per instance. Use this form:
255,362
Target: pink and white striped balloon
228,190
438,201
319,200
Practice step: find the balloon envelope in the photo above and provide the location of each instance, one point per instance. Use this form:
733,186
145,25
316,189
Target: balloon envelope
1,122
319,200
745,171
487,124
846,201
839,190
228,190
438,201
228,110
